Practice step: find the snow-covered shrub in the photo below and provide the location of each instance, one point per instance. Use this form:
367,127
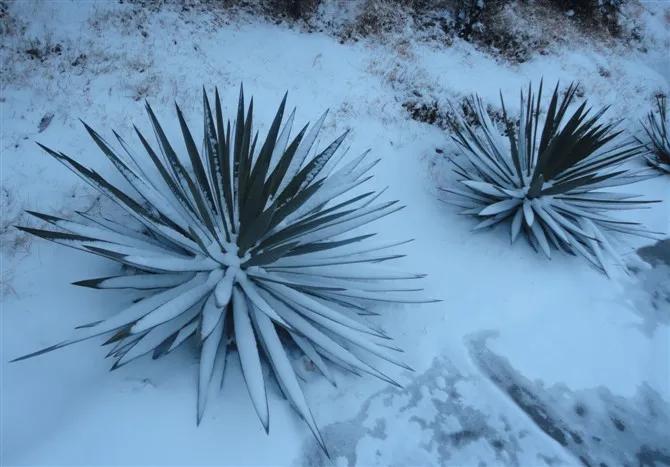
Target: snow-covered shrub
468,16
428,109
545,175
595,13
253,242
658,138
8,24
379,18
503,27
293,9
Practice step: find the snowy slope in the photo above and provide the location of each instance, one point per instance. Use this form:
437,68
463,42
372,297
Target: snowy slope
558,323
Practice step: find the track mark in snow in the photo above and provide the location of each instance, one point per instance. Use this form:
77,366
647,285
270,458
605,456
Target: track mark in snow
598,427
649,291
442,417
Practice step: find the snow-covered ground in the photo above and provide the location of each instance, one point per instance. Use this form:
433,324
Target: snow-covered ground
525,361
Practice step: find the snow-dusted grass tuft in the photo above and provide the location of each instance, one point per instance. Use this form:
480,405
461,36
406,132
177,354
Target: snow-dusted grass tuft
658,139
252,242
546,174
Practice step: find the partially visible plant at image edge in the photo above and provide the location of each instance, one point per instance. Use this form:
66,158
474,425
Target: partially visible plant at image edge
657,136
252,242
544,174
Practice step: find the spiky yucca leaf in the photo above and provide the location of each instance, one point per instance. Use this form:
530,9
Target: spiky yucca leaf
658,138
252,242
546,175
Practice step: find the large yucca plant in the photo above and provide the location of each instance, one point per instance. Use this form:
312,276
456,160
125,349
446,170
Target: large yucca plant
248,243
545,174
658,137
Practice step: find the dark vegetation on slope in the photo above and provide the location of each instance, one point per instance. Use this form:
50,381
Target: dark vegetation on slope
512,29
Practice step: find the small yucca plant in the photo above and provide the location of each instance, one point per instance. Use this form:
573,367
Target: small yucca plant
250,243
658,137
546,176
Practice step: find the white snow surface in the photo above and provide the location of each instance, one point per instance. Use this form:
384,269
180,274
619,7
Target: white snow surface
558,321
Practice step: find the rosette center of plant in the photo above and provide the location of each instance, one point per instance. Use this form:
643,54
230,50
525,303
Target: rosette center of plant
231,256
